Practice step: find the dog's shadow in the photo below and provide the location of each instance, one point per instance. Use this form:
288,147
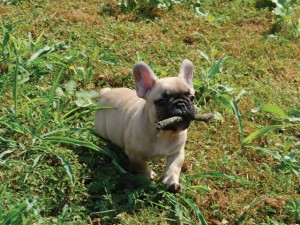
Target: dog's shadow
111,188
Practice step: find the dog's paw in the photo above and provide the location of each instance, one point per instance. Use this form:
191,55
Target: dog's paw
174,188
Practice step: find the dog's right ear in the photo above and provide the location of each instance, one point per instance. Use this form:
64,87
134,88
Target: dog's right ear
144,78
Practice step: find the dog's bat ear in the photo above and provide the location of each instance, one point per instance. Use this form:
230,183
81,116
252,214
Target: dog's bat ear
144,78
186,72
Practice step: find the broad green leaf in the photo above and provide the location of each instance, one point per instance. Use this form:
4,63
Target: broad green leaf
70,87
275,110
154,3
40,52
204,55
216,67
294,113
261,132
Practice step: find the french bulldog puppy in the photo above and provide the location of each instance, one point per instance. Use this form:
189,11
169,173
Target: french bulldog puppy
131,121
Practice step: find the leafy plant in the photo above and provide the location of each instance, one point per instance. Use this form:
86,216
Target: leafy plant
284,15
148,6
10,2
237,114
287,162
184,207
13,211
276,110
293,209
207,86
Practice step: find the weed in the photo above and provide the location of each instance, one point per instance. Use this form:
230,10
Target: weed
293,209
284,16
208,87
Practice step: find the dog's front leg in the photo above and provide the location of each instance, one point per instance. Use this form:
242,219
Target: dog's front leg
140,166
173,169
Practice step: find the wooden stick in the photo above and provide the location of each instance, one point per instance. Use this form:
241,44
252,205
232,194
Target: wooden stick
161,125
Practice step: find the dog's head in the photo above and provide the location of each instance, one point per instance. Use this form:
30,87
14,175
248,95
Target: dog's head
167,97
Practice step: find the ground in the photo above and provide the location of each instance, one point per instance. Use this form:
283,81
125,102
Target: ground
56,56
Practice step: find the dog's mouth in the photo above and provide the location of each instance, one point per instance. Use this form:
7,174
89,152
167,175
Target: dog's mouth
181,108
175,123
180,125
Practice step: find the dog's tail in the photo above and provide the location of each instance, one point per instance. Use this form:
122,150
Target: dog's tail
103,92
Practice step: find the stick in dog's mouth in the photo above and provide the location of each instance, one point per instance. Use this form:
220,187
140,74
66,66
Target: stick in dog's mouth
161,125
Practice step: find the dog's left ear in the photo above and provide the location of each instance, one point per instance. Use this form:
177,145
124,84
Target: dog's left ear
186,72
144,78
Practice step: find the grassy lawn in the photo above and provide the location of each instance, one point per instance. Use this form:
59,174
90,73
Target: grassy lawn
241,168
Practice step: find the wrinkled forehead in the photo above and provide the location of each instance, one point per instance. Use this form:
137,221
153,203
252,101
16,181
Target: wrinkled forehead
173,85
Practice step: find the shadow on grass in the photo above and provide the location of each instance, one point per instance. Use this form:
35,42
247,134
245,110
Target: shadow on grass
111,192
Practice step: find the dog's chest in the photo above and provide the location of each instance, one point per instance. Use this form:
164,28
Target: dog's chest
167,144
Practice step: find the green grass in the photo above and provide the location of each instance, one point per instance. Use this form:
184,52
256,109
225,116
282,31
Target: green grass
242,168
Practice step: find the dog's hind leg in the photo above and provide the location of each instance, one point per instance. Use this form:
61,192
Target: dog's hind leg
140,166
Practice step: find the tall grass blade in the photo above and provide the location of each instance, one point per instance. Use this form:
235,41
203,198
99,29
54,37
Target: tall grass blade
15,85
46,112
217,174
119,167
87,144
35,163
238,116
63,215
261,132
177,207
248,208
275,110
179,213
68,116
196,210
14,214
66,164
7,152
67,140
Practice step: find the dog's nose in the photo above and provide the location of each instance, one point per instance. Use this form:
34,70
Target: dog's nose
181,106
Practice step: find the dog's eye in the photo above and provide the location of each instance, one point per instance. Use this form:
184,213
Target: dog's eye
162,101
192,98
